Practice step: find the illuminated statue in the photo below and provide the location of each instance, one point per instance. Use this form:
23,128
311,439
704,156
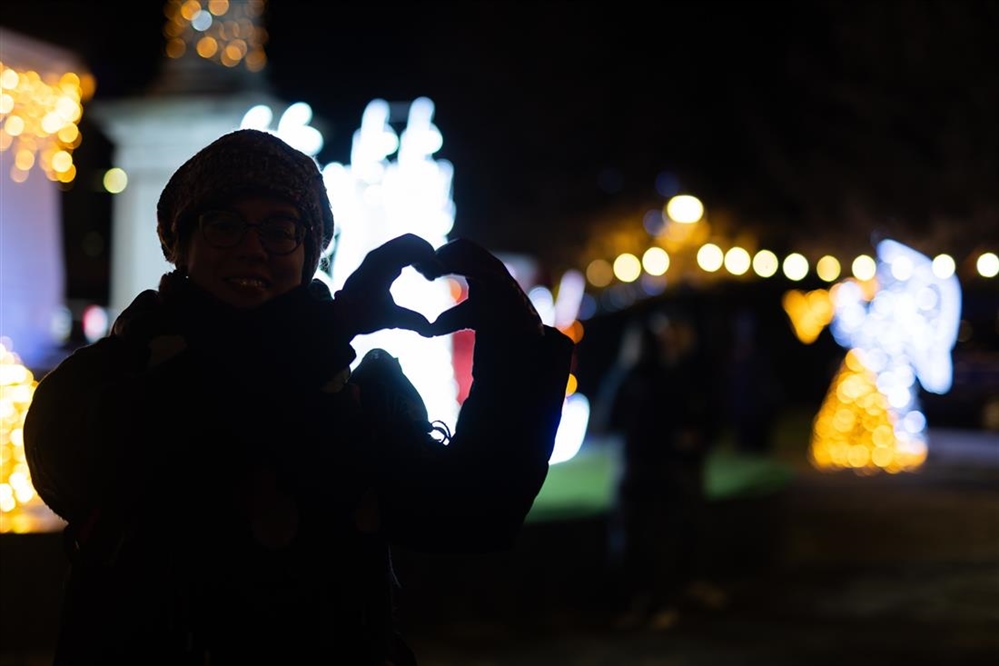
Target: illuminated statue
374,200
901,333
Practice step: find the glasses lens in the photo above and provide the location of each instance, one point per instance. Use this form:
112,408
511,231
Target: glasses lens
222,228
280,235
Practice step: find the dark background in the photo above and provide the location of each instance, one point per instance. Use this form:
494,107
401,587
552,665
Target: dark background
808,122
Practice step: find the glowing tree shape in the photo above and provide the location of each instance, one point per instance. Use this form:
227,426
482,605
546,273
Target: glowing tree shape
855,427
871,418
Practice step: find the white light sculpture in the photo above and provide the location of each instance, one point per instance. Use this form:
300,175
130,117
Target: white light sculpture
560,312
376,199
293,126
912,322
572,428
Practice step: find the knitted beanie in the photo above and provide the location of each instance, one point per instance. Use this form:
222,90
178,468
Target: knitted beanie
246,162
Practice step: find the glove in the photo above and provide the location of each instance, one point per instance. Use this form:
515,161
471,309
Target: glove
495,302
365,304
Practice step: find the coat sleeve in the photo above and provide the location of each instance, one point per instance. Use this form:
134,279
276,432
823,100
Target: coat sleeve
474,493
84,412
69,442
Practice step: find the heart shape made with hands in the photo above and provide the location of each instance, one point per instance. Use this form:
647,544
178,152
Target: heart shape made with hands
493,293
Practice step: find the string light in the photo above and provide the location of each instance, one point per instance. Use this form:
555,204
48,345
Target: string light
39,113
21,509
688,252
227,32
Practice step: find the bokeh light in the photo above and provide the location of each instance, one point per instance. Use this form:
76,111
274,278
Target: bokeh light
987,265
599,273
828,268
655,261
943,266
737,261
864,267
115,180
685,209
40,113
710,257
765,263
627,267
795,266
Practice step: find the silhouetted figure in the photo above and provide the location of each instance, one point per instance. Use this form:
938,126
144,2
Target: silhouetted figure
232,489
662,409
755,394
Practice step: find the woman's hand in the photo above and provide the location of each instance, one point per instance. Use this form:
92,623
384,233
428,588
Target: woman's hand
365,304
495,302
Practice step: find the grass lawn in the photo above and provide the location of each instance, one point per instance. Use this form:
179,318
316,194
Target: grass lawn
584,485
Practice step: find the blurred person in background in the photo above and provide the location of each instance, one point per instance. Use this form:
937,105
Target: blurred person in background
232,489
663,412
754,390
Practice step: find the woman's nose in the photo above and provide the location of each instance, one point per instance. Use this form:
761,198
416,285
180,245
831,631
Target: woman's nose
251,243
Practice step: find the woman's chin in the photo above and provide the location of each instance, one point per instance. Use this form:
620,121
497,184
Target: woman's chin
243,296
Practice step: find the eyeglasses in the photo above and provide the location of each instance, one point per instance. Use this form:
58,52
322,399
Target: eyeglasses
279,234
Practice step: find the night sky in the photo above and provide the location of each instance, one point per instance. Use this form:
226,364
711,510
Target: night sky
806,122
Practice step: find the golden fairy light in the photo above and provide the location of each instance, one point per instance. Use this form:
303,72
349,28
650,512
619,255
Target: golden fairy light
855,428
809,312
227,32
39,113
21,509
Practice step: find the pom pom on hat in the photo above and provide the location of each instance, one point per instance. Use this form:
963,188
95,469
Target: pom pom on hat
246,162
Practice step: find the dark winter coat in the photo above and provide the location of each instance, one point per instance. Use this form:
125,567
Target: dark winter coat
232,497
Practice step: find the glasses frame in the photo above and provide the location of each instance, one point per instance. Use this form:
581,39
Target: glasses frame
301,230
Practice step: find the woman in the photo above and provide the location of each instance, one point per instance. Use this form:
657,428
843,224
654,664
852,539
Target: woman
231,489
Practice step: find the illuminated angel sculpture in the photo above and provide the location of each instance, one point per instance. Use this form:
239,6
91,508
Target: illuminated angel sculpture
897,334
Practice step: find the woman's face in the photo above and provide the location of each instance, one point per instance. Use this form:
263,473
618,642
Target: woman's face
244,267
